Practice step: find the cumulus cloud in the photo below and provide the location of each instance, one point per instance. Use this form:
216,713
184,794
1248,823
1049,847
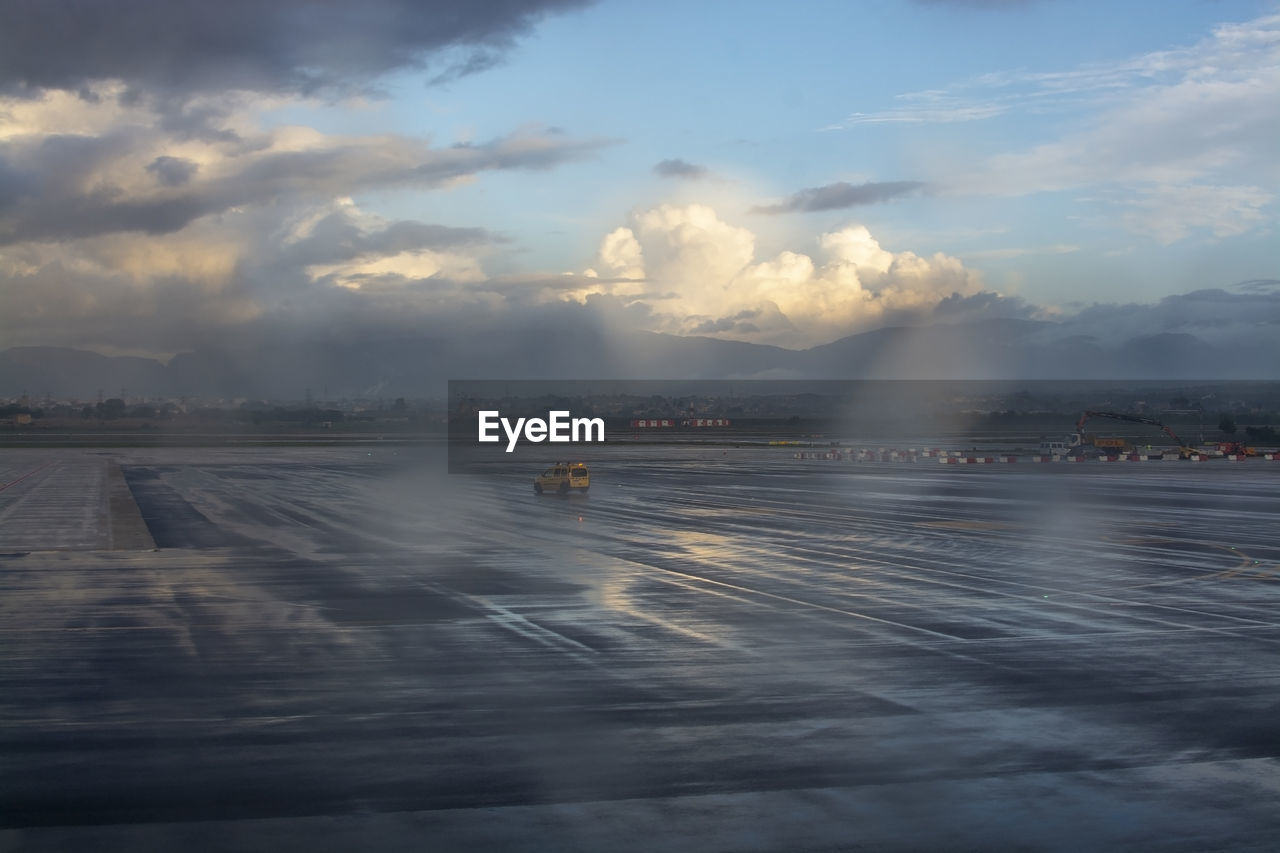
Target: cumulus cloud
841,195
286,46
717,285
621,255
678,168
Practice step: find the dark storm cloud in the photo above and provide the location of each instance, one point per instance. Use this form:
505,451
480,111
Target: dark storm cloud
517,285
338,237
283,46
840,195
678,168
60,304
1214,315
64,181
740,323
984,305
1259,285
172,171
15,183
186,121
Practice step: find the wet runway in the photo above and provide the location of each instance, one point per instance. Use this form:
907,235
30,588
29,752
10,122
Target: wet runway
714,649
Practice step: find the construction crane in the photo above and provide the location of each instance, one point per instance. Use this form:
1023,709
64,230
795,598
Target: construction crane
1077,439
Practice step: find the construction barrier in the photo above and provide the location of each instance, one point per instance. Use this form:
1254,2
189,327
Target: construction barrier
959,457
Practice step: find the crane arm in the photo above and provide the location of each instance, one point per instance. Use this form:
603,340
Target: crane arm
1135,419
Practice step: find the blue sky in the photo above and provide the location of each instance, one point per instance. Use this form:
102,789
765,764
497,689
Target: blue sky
763,98
1058,154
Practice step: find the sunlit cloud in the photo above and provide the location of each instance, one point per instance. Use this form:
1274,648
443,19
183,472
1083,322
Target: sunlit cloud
719,287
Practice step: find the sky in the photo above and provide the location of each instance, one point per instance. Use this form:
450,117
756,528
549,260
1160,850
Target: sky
176,176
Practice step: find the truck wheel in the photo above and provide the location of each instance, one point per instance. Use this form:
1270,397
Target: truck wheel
537,488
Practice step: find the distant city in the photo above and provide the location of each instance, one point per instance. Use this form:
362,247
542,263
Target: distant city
1249,410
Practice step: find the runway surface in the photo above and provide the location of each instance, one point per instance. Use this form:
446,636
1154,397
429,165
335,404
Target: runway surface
713,649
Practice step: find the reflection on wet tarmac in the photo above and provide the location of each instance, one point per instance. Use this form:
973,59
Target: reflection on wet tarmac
708,645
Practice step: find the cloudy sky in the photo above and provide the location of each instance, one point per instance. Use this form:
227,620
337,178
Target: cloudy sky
178,175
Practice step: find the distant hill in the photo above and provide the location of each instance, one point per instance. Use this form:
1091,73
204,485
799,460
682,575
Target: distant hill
77,373
419,366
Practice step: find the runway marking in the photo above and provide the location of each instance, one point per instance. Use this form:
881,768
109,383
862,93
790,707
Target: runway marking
961,524
519,624
930,575
1246,561
790,600
668,625
1060,594
893,569
24,476
833,550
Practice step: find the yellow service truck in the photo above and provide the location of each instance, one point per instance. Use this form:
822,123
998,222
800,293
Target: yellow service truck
563,477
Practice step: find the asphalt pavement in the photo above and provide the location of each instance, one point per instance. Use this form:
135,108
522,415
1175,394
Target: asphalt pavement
715,648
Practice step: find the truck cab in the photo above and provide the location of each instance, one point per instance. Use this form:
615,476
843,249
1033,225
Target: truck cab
563,477
1055,448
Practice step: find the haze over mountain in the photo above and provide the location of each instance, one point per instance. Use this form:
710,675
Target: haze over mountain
417,368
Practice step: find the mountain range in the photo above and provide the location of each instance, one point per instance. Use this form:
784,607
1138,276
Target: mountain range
416,367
